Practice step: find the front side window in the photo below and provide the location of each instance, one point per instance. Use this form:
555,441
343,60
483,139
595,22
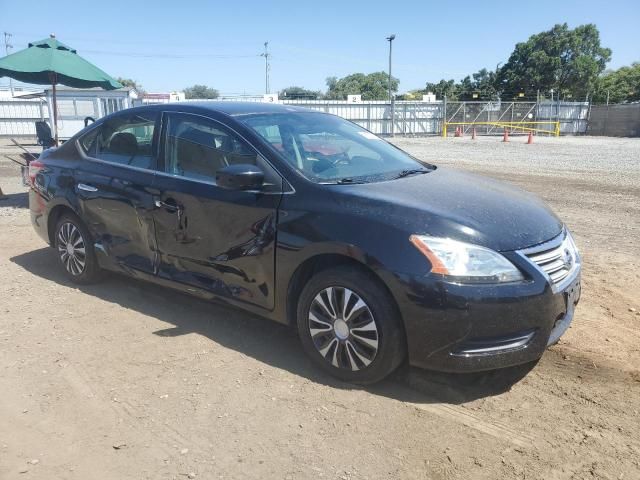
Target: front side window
197,147
124,139
328,149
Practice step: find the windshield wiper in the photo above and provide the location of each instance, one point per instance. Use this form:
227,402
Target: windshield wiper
343,181
413,171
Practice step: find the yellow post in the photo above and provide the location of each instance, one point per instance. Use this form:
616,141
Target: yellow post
557,132
444,129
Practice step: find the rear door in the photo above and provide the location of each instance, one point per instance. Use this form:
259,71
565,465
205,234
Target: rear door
114,188
215,239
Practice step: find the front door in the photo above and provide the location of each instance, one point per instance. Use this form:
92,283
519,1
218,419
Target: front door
113,185
215,239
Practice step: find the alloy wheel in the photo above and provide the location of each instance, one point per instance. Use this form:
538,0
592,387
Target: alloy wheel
343,328
71,248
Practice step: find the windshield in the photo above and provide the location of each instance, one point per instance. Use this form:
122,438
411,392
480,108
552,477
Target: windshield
329,149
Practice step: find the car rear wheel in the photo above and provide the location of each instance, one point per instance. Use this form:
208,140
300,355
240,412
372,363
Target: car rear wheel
349,326
75,250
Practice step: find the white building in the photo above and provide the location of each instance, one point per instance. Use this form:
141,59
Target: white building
19,113
163,97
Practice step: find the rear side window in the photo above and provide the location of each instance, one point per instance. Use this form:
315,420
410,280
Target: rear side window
88,142
124,139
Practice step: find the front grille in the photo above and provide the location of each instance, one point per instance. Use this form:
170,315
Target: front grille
556,258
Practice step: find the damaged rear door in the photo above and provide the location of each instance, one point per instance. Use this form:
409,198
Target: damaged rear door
215,239
113,184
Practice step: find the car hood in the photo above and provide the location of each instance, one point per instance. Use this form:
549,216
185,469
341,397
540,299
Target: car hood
453,204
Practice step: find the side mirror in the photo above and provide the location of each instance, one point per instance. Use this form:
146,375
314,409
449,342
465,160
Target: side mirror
240,177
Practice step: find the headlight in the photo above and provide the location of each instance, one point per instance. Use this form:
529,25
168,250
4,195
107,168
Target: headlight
465,262
572,242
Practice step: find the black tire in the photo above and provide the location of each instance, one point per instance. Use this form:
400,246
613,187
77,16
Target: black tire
351,349
79,268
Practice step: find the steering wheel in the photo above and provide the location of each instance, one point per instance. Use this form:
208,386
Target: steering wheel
339,158
329,162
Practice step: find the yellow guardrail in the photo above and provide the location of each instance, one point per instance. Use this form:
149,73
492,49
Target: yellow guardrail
522,126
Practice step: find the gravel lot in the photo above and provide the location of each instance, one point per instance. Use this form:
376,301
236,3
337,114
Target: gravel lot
131,381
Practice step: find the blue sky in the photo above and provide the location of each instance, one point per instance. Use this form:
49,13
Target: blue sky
170,45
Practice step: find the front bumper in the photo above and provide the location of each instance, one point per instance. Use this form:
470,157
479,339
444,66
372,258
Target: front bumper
464,328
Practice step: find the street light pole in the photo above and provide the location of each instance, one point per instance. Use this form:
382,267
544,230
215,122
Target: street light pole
390,39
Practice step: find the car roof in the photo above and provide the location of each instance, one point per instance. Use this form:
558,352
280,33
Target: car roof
228,108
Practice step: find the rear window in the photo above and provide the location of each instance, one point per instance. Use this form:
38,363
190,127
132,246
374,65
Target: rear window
87,141
125,139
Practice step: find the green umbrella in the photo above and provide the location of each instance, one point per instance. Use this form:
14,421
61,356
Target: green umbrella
49,62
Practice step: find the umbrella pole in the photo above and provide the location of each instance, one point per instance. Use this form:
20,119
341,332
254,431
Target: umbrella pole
55,110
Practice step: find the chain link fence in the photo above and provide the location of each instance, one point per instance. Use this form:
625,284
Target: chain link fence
423,118
17,117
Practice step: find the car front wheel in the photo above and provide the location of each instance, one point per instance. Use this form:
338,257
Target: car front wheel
349,327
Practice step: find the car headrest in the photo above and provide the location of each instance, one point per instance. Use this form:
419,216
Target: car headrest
124,143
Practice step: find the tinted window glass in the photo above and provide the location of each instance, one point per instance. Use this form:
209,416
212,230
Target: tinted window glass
326,148
125,139
88,142
196,147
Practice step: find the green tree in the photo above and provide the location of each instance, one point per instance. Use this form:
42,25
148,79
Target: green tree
478,86
374,86
567,61
299,93
127,82
465,88
622,85
484,85
201,91
443,88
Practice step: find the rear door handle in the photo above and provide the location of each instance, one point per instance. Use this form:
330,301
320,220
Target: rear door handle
171,207
87,188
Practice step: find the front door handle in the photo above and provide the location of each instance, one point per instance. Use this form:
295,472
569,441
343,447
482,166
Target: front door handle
171,207
87,188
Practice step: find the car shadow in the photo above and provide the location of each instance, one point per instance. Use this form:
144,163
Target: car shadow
15,200
268,342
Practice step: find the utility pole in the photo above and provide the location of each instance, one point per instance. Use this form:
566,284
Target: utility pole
7,46
390,39
267,67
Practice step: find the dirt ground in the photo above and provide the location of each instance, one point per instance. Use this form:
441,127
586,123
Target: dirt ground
125,380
